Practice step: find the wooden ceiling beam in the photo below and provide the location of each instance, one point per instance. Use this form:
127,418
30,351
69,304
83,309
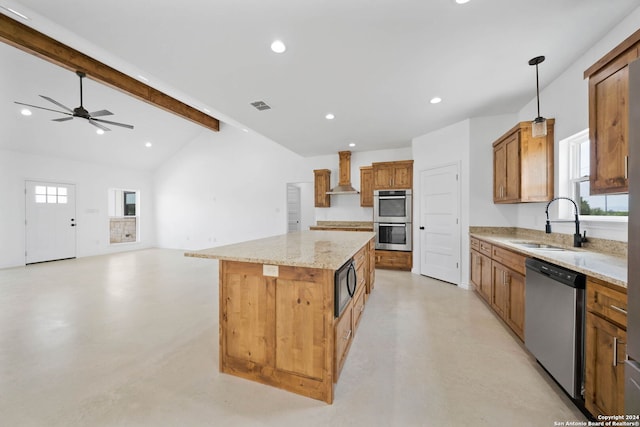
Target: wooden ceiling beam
31,41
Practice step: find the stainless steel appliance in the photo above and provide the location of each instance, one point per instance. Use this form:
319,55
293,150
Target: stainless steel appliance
632,365
345,283
392,236
392,206
554,322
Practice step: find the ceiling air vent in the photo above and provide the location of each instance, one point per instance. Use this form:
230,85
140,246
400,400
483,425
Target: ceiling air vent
261,105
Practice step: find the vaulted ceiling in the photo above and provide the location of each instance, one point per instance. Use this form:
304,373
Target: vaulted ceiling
374,64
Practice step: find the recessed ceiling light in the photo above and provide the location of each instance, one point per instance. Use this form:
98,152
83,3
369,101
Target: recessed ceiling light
245,130
329,116
435,100
143,78
206,110
462,1
100,132
25,112
15,12
148,144
352,144
278,46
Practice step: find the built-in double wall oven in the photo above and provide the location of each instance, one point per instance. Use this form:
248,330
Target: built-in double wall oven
392,219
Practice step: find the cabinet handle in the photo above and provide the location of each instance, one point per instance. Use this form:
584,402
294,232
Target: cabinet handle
615,352
616,308
626,167
346,337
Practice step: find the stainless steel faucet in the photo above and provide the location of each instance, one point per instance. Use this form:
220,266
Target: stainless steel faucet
577,238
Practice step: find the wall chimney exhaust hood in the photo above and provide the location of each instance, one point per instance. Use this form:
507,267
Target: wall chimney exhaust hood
344,181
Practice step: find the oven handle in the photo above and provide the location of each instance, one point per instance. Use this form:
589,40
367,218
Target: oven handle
355,280
391,197
404,224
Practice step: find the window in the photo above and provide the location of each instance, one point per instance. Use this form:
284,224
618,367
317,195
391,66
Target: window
47,194
129,203
124,210
576,165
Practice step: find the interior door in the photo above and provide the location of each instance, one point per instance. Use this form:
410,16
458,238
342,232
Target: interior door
50,223
293,208
439,223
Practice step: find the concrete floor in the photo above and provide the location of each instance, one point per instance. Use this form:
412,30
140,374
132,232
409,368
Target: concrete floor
131,339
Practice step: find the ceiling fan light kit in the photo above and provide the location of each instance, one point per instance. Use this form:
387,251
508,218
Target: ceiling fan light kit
80,111
539,124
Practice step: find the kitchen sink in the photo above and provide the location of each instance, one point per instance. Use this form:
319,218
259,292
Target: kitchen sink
536,245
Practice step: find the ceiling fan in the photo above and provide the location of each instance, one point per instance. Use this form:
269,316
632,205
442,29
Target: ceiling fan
80,111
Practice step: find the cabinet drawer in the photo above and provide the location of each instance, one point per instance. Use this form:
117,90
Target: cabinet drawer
509,259
361,257
481,246
606,302
358,307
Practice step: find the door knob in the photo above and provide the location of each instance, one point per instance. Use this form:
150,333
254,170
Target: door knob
421,228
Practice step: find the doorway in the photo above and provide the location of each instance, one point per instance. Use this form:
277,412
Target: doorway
50,221
440,223
300,208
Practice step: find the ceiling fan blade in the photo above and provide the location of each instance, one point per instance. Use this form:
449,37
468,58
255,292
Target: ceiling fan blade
53,101
113,123
101,113
98,125
42,108
64,119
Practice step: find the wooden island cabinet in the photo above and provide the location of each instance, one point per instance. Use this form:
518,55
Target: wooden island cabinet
276,295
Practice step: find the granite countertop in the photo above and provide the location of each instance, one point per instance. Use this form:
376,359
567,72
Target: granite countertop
610,268
313,249
343,225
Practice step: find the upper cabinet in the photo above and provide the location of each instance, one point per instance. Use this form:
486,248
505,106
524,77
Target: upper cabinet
393,175
322,184
608,117
523,165
366,186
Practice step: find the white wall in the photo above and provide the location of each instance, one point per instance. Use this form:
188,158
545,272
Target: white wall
346,207
92,183
567,100
224,187
467,144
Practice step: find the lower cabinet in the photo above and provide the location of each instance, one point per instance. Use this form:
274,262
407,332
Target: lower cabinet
394,260
497,274
343,337
605,349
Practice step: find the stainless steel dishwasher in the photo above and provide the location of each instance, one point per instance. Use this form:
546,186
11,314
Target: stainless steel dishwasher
554,322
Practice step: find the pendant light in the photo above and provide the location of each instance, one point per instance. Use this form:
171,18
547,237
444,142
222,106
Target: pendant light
539,124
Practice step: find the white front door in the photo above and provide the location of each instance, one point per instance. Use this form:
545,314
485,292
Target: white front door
50,225
440,224
293,208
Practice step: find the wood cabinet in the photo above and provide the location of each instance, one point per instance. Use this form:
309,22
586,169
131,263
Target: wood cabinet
605,348
277,324
322,184
481,268
523,165
393,175
394,260
366,186
372,266
608,117
497,274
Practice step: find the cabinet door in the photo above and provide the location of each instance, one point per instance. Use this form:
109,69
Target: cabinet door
512,167
499,172
382,176
609,129
366,186
515,303
343,336
402,176
322,184
604,366
476,270
485,281
499,289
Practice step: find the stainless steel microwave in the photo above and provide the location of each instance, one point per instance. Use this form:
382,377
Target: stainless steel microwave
345,283
392,206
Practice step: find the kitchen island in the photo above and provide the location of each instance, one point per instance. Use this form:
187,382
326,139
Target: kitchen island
277,323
